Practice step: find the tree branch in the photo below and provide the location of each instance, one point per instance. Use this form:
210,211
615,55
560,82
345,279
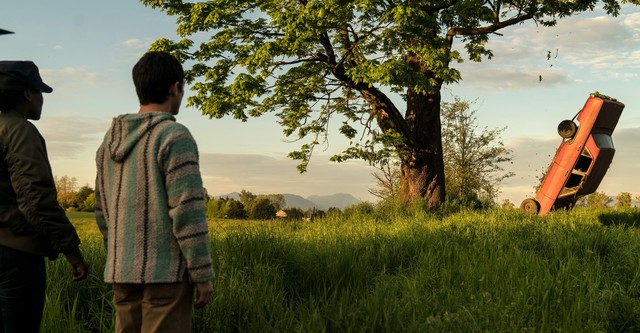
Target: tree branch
385,111
454,31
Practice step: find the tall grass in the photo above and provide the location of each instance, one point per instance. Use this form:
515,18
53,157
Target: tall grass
79,306
495,271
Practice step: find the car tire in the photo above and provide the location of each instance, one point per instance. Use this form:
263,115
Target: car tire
567,129
530,206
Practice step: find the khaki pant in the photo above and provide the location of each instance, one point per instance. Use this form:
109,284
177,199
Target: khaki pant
153,308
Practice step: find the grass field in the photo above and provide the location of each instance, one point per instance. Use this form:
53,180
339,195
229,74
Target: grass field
496,271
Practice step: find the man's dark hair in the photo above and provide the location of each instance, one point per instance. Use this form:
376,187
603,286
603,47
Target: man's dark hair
9,99
154,74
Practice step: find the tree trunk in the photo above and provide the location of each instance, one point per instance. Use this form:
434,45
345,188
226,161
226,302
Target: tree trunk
422,162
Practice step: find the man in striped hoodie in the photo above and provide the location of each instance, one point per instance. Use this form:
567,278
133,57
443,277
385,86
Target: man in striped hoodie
150,207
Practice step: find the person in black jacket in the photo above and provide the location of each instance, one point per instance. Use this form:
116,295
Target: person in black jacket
32,223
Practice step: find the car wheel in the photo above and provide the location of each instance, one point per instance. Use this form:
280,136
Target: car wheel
530,206
567,129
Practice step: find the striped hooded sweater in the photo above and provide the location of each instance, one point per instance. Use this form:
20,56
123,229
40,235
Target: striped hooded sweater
150,202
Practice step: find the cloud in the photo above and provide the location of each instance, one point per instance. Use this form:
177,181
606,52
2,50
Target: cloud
226,173
78,76
632,21
531,157
137,44
585,34
67,137
593,48
621,176
511,78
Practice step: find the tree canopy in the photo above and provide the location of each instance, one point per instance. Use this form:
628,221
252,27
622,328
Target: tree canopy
351,61
66,189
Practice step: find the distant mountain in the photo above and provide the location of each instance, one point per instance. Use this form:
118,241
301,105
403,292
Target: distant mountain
294,200
323,202
339,200
232,195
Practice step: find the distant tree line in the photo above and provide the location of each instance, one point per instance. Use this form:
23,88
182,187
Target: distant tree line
600,200
259,207
249,206
271,206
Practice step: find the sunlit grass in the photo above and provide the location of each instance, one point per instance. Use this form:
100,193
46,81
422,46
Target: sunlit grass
496,271
85,224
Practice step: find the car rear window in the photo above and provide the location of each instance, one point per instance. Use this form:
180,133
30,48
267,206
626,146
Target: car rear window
603,140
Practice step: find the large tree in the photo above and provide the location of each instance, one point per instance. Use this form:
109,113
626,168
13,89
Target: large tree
355,60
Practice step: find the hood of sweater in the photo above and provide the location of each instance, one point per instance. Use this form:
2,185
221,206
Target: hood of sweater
127,129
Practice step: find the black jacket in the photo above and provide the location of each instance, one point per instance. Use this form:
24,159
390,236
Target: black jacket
30,217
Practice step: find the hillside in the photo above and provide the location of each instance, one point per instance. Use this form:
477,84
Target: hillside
338,200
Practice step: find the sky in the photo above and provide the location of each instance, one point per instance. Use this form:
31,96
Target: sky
85,50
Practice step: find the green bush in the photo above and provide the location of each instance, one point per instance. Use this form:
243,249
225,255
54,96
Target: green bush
225,208
294,213
361,209
89,203
234,209
215,208
261,209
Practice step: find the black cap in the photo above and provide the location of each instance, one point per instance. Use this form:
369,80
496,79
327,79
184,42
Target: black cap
16,75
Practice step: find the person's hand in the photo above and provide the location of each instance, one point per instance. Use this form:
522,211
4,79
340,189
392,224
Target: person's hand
80,269
204,293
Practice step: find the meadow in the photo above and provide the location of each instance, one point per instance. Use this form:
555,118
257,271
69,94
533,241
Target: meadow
492,271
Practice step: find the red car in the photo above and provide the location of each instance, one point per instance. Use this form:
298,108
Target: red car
581,161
